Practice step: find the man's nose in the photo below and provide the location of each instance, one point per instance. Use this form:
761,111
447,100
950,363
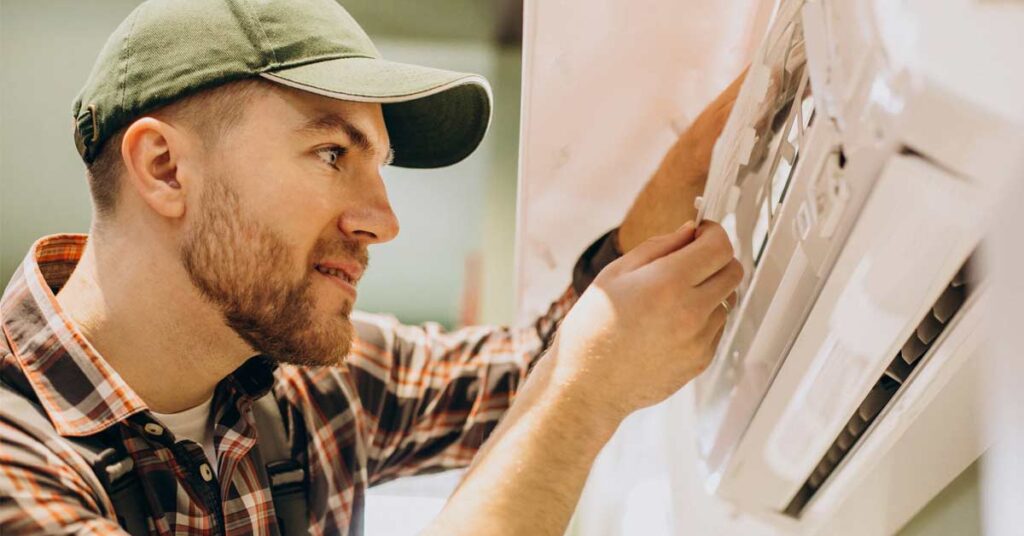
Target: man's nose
370,220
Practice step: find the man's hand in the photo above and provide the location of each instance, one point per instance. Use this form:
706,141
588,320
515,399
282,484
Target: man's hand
650,322
647,325
667,199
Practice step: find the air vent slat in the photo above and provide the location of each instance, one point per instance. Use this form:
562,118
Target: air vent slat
896,374
876,400
834,454
899,369
845,440
819,475
929,329
857,425
948,303
912,350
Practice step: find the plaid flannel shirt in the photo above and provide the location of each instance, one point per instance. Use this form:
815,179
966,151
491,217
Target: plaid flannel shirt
411,400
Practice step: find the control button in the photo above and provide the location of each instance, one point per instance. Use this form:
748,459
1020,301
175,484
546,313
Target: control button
154,429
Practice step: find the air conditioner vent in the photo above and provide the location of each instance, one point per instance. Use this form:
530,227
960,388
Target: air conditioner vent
896,374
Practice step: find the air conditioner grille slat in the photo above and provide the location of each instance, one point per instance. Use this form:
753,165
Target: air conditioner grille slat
895,375
948,303
929,329
899,369
912,350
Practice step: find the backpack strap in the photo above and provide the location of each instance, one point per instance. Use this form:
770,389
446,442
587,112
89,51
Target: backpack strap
112,467
287,476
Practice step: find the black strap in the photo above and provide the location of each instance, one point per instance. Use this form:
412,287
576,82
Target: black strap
112,467
287,475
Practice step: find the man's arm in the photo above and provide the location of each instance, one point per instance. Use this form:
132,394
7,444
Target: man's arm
42,490
430,398
529,475
646,327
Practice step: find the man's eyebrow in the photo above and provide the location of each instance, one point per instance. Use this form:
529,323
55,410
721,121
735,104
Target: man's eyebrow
331,123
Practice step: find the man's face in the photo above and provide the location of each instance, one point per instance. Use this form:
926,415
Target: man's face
277,235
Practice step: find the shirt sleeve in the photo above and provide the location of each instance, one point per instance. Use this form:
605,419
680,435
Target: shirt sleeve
41,492
430,398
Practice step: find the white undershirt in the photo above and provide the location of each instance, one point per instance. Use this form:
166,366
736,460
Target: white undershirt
193,424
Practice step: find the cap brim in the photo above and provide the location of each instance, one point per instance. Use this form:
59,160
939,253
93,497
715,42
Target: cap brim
434,117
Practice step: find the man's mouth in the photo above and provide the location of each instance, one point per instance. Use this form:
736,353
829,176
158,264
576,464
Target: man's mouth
334,272
341,277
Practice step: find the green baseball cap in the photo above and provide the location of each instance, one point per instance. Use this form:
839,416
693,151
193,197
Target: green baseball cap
167,49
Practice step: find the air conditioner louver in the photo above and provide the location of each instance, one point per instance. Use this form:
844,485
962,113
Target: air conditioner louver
896,374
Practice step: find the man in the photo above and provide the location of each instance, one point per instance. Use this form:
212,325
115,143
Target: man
234,152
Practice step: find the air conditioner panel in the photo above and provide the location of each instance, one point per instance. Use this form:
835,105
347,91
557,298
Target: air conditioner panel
854,261
912,448
788,280
881,396
852,332
763,323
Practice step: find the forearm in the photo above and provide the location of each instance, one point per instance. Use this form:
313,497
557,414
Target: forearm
528,476
449,387
666,202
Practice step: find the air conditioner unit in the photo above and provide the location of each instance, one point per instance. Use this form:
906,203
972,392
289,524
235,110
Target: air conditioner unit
856,176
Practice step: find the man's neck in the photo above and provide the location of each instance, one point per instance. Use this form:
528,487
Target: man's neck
135,305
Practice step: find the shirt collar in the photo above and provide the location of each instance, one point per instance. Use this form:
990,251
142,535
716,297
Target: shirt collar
82,394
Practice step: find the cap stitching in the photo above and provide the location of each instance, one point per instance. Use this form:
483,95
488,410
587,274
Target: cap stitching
266,38
128,55
313,59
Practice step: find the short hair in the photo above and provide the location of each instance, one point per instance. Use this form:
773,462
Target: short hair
211,112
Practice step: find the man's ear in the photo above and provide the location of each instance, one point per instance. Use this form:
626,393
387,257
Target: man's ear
151,150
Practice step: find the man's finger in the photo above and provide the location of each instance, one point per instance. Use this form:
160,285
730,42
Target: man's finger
714,326
733,300
722,285
657,247
709,252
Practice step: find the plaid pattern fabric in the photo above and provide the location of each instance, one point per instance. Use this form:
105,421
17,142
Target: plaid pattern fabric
412,399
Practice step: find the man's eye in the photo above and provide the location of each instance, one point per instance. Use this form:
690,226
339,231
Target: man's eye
330,155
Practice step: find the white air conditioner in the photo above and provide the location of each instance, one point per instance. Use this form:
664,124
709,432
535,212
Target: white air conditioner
856,177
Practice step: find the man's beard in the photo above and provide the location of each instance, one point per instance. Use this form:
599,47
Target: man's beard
243,268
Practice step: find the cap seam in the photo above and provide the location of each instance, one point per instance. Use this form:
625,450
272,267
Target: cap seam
127,60
266,39
315,59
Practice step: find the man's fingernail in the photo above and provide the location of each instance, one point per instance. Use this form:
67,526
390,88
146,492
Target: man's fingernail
685,226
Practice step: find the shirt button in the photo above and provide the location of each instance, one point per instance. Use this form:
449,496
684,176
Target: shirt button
154,429
206,472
